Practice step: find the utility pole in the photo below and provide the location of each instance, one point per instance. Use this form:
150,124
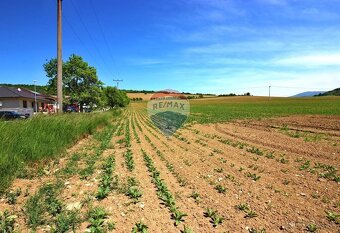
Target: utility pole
35,96
269,91
60,61
117,80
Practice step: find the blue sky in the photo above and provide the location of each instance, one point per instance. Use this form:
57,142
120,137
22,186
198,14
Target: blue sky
210,46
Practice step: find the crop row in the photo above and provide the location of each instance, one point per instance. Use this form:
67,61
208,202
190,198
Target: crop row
148,128
322,170
220,189
71,168
106,181
130,164
163,192
134,131
45,207
146,120
127,134
169,166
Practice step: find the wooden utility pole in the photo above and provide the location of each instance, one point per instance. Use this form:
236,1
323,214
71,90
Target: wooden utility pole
269,91
60,61
117,80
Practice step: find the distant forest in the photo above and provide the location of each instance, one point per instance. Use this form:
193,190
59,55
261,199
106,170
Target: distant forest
335,92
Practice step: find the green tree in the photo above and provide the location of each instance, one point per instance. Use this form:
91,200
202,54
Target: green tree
114,97
80,81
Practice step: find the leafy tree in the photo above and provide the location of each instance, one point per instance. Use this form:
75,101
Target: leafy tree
80,81
114,97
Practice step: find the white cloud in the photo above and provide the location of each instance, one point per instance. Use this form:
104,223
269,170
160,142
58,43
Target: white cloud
283,83
310,60
223,48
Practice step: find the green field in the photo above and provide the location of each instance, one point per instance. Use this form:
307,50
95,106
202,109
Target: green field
26,141
230,108
132,158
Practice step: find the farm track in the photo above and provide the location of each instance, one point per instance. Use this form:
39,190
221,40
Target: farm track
256,162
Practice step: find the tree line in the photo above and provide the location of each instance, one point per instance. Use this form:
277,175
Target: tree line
81,84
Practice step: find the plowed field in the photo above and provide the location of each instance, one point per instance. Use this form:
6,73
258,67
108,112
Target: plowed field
270,175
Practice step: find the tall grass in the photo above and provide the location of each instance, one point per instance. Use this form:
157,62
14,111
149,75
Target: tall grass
26,141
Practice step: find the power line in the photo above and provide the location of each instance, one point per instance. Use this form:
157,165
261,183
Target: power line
82,42
78,37
88,32
239,88
272,88
102,32
305,88
286,87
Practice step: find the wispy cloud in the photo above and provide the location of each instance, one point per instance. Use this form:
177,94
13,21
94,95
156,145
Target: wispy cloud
225,45
274,2
145,61
312,13
332,59
238,47
284,83
230,6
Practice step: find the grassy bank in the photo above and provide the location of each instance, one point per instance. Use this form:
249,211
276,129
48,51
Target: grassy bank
229,108
23,142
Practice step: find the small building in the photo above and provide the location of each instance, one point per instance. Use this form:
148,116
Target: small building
23,101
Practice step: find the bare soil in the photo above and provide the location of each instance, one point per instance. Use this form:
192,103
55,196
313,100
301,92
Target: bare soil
260,163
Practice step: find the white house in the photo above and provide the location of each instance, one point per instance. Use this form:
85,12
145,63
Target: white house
23,101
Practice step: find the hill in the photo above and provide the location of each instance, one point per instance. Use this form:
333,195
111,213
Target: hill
335,92
308,94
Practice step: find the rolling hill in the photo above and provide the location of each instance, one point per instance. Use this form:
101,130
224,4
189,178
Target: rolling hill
308,94
335,92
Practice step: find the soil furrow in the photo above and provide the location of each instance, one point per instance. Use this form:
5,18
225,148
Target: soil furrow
279,199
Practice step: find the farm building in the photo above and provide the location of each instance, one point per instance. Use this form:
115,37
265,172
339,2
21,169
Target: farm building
23,101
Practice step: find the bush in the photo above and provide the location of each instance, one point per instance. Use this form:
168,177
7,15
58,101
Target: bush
115,98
